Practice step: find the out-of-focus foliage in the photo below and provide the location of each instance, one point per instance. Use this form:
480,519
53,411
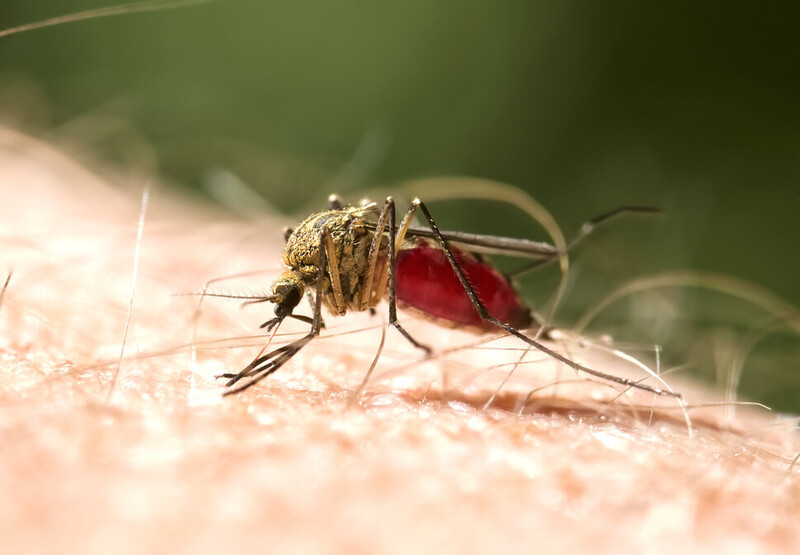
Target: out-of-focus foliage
689,105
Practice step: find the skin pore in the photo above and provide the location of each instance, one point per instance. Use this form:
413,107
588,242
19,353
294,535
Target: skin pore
302,462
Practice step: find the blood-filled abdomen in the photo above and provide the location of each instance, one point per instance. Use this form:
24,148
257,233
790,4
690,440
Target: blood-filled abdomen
425,280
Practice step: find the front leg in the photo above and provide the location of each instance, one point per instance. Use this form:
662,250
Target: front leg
265,365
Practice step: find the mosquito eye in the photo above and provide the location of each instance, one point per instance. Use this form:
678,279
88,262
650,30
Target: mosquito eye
281,311
290,296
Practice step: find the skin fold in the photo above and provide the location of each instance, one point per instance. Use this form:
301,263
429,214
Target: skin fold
302,461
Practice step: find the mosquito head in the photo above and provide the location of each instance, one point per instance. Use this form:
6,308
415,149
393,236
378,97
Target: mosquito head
287,292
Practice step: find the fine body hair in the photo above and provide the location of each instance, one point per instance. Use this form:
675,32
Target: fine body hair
127,444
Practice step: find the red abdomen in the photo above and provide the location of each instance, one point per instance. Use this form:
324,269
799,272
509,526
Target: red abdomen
425,280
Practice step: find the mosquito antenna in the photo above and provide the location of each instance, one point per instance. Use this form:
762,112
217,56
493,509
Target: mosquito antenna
135,7
249,298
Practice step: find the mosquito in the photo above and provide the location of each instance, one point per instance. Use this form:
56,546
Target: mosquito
351,257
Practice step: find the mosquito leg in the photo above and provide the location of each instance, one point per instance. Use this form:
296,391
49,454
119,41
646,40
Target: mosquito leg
306,319
380,288
272,322
586,229
269,363
266,365
388,211
372,257
310,298
392,256
326,243
484,314
589,226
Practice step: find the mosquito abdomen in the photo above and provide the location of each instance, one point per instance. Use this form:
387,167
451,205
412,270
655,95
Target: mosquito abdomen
426,281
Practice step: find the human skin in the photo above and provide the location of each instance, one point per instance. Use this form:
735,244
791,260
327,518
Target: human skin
304,461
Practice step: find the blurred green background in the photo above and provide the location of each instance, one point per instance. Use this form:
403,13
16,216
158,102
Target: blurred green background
692,106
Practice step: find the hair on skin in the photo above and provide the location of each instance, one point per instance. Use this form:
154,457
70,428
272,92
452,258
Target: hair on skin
310,459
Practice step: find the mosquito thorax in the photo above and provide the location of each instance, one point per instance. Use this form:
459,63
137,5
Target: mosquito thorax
302,246
351,238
